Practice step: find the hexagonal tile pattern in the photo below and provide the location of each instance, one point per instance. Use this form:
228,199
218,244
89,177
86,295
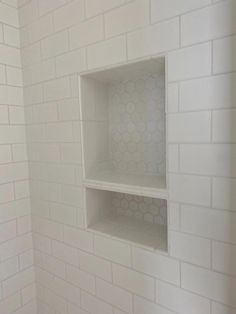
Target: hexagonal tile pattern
137,125
139,207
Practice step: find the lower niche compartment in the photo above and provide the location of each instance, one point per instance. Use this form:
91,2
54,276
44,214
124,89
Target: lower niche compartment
137,219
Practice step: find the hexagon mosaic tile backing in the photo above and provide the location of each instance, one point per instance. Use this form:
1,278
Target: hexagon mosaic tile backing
137,125
139,207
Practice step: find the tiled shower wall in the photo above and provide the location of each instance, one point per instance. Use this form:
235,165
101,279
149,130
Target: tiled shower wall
77,272
17,290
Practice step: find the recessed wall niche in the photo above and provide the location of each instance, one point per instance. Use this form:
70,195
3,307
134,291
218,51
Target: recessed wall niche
124,144
123,113
138,219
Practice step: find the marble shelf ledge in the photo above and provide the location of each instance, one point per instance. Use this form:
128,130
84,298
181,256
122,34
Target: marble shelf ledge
143,185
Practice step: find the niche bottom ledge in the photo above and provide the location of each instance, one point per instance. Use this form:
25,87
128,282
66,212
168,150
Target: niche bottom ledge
146,185
148,235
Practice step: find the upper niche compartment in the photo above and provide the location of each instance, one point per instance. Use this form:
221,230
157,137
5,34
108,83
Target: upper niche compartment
124,142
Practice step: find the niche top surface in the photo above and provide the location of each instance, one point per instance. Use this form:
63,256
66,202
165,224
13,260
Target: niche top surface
145,185
135,231
129,71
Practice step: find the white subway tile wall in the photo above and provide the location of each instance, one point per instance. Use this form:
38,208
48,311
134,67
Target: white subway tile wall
16,254
69,270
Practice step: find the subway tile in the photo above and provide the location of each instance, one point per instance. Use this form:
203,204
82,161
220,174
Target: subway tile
19,152
208,23
223,196
216,92
190,189
66,16
133,281
34,94
56,173
8,268
24,225
10,304
9,15
45,6
5,154
153,39
63,213
173,157
126,18
72,195
108,52
26,259
13,171
95,8
15,246
17,282
95,265
50,264
2,74
31,54
93,305
189,127
223,55
80,278
17,115
224,258
113,250
51,299
67,291
40,28
174,216
181,301
211,223
55,45
224,126
65,253
4,119
48,228
43,277
7,231
1,33
11,36
209,284
14,209
212,159
114,295
165,9
42,243
73,309
173,97
14,76
190,249
12,134
143,306
56,89
28,12
11,95
191,62
71,62
71,153
29,294
156,265
40,72
44,113
68,109
78,238
218,308
86,33
44,152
